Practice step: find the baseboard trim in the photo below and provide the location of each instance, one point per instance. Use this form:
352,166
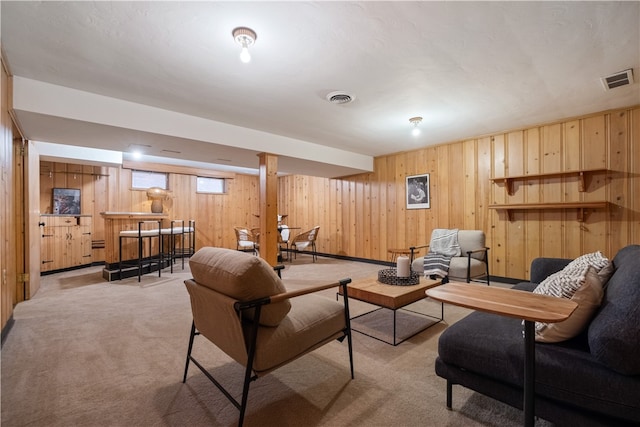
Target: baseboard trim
7,329
60,270
346,258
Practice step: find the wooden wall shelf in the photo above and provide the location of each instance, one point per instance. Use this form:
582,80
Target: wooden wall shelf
581,174
580,206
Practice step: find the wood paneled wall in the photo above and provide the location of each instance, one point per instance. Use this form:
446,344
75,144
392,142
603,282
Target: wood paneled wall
365,215
8,210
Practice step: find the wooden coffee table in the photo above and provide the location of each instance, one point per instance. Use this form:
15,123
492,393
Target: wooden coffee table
392,297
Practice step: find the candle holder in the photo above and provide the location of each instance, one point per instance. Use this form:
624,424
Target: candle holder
388,276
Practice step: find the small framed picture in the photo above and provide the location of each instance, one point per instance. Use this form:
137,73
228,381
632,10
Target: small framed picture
418,192
66,201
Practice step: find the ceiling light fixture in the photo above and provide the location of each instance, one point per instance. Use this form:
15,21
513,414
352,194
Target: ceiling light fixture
415,121
245,37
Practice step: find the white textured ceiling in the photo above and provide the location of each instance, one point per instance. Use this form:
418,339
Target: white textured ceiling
468,68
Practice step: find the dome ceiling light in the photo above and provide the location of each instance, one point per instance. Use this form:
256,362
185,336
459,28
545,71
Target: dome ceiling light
245,37
415,121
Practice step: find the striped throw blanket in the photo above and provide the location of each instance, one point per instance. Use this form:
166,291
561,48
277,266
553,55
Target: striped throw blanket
443,246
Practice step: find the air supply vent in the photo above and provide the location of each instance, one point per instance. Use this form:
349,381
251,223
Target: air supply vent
340,97
622,78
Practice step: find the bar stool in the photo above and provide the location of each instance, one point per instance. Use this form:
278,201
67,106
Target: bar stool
190,233
140,234
177,229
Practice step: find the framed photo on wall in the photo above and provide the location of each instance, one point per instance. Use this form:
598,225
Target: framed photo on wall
418,192
66,201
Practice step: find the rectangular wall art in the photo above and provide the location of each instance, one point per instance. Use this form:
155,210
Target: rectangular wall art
418,192
66,201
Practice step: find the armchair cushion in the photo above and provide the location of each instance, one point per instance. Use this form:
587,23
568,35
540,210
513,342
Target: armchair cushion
240,276
458,267
300,332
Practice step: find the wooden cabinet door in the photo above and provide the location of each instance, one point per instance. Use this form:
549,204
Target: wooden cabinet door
73,250
85,244
78,248
47,247
62,242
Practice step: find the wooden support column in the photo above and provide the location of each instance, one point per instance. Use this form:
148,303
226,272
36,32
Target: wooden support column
269,208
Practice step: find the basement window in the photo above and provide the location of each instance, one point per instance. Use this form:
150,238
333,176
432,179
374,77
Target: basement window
211,185
142,180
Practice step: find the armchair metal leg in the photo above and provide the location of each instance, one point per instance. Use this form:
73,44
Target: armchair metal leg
487,263
347,332
449,394
186,365
485,260
249,369
242,406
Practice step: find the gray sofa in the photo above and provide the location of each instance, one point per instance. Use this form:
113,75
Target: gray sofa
592,379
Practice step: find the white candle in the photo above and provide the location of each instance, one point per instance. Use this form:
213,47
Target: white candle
403,269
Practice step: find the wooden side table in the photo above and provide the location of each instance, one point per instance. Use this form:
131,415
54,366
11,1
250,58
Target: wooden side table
511,303
394,253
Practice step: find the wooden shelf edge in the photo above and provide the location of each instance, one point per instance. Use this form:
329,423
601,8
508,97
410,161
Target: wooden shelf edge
581,174
581,206
558,205
549,174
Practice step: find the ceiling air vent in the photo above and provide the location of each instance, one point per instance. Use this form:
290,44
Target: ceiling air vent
340,98
622,78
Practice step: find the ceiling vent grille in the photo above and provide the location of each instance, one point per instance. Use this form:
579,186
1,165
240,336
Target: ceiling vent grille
622,78
340,98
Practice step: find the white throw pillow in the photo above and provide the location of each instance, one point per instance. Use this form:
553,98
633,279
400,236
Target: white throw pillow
582,281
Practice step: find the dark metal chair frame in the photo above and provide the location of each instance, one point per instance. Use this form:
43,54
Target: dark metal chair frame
257,305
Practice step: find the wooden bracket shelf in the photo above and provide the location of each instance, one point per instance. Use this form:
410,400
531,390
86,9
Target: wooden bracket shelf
582,207
581,174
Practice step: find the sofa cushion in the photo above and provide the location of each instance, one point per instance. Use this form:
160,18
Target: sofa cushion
614,333
588,297
582,281
240,276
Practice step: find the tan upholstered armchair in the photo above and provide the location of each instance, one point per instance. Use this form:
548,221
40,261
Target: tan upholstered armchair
240,304
471,265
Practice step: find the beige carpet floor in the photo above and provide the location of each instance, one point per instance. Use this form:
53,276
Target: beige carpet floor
86,352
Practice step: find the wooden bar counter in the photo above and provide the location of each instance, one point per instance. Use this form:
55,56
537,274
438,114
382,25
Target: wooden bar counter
114,223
